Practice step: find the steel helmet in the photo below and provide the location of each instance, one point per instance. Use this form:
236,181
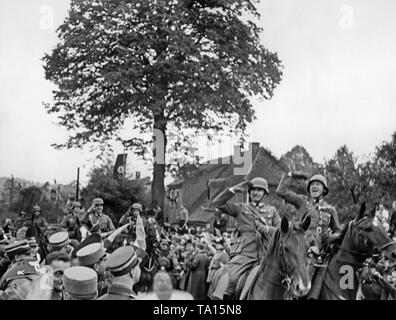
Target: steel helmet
322,180
97,201
76,204
36,208
260,183
137,206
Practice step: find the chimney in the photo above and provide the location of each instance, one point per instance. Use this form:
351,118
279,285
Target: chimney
255,148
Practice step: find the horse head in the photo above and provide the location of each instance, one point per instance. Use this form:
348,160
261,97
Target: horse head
293,249
366,235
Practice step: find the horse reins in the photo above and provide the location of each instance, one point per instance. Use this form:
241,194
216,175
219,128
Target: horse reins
287,280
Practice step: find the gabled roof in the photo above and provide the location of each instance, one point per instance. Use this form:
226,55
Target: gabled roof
264,164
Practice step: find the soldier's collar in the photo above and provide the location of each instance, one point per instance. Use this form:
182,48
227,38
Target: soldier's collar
257,204
317,201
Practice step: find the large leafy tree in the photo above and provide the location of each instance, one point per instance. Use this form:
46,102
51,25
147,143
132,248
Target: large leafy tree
151,62
298,159
353,181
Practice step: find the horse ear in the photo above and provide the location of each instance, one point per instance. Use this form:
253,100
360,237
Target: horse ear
372,213
285,225
305,223
361,211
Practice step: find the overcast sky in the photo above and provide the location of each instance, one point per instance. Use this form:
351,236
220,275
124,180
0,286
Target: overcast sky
338,85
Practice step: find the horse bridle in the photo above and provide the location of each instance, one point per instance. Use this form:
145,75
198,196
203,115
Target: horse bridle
288,279
374,249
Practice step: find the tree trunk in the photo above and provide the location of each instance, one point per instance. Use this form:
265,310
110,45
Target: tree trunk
158,187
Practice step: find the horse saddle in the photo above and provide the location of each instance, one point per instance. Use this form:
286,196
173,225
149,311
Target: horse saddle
247,281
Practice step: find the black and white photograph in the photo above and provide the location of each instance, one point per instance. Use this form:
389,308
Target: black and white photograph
207,151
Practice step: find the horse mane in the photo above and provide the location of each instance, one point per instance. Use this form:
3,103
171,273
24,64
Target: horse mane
274,241
271,248
273,244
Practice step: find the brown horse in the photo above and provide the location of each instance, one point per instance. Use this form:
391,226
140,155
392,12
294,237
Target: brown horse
283,271
361,239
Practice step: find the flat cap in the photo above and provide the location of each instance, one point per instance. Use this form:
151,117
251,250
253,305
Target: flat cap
17,247
58,240
122,260
36,208
80,282
90,254
25,268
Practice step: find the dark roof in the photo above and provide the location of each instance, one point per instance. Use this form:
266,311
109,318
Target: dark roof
264,164
267,166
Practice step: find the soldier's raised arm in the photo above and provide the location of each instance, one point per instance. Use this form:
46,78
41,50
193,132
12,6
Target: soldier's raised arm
124,219
284,191
221,200
64,223
108,241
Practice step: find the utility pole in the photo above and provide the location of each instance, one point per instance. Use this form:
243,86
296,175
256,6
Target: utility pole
12,190
78,182
123,176
57,202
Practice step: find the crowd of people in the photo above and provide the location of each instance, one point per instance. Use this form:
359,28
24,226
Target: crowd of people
86,251
90,256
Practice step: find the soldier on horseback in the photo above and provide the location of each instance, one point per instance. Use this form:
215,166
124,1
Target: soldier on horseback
324,218
98,222
256,222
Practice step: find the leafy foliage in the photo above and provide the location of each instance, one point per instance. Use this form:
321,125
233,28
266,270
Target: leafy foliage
35,195
298,159
148,62
118,196
351,181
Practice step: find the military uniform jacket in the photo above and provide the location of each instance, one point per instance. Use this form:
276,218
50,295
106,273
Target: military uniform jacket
118,292
248,243
101,223
39,224
324,217
70,222
21,221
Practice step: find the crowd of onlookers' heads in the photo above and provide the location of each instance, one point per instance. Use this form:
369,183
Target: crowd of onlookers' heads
186,258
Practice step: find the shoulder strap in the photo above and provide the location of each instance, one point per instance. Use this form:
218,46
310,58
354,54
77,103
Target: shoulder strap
257,214
309,212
